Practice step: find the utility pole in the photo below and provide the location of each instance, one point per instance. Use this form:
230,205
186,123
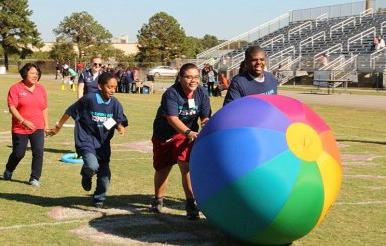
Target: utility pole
369,4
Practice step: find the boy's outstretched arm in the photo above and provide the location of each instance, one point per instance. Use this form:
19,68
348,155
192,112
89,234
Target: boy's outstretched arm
59,125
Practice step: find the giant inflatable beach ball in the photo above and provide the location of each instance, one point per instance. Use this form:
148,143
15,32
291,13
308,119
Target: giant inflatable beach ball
266,169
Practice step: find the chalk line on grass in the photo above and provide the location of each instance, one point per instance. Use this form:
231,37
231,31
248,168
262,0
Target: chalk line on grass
361,203
21,226
364,176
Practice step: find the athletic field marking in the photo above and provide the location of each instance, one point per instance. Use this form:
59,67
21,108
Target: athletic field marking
3,228
362,176
361,203
375,187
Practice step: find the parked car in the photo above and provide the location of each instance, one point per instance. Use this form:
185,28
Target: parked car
162,71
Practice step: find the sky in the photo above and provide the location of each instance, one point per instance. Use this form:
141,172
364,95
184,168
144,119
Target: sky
222,18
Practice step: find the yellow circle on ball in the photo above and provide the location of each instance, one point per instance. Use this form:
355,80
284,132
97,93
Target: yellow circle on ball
304,142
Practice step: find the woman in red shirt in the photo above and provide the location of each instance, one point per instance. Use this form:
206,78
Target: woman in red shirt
27,102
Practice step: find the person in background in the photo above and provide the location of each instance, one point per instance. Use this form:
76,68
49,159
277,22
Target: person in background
223,84
212,74
27,102
174,130
254,80
88,79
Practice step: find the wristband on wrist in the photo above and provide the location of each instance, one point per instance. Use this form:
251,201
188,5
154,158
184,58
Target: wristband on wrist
186,133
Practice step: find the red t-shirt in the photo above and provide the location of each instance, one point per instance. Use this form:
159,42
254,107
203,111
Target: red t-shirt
29,104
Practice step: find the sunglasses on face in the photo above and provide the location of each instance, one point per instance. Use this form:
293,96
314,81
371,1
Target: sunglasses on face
97,64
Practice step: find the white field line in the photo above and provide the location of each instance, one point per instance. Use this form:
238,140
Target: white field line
362,176
375,187
361,203
3,228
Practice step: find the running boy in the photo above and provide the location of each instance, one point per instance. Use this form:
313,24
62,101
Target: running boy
96,116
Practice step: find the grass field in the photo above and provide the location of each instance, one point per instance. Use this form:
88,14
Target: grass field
60,213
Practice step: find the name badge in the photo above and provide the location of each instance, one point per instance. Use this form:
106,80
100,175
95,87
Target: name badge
108,124
191,103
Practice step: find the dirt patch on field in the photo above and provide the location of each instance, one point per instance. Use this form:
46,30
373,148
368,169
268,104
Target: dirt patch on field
62,213
135,225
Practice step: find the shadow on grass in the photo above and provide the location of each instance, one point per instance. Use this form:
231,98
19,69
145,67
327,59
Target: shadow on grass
168,229
50,150
139,224
117,201
15,180
362,141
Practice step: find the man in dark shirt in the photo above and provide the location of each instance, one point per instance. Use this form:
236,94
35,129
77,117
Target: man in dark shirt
254,80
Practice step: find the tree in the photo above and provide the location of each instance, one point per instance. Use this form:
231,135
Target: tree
161,39
193,46
209,41
62,51
18,34
106,51
83,30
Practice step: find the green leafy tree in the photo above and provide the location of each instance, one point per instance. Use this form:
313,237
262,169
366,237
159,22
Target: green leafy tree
209,41
62,51
161,39
106,51
18,34
83,30
193,46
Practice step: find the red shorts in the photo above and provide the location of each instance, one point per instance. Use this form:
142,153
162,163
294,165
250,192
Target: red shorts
169,152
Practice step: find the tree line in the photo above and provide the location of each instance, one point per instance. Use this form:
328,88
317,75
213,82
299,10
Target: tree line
162,39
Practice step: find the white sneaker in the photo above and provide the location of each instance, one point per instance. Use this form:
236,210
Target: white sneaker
34,182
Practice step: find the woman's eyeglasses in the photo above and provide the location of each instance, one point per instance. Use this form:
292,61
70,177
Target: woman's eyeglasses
97,64
192,77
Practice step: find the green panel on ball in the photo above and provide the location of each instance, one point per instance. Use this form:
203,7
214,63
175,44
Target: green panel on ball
302,210
248,206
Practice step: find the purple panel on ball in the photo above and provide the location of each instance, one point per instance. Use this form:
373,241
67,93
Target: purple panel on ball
247,112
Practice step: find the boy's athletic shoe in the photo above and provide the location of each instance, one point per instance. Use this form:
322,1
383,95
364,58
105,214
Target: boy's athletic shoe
192,211
98,204
157,205
86,183
7,175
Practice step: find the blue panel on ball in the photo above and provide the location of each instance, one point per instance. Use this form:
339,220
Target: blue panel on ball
247,112
225,156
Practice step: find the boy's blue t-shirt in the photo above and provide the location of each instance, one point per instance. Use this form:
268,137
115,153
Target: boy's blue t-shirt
89,113
90,84
244,85
174,102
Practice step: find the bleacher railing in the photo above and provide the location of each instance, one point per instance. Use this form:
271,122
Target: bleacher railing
310,40
366,13
298,29
334,63
359,37
333,49
321,18
277,57
272,41
340,26
253,34
375,55
333,11
383,25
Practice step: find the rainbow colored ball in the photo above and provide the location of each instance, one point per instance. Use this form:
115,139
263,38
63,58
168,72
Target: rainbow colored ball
266,169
